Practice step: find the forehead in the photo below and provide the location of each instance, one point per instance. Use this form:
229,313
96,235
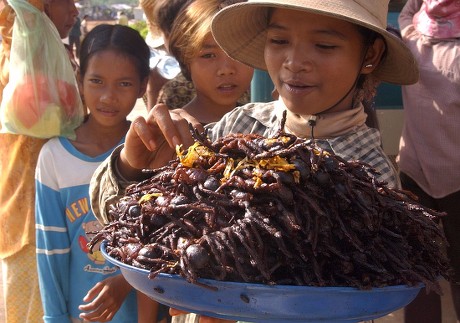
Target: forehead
112,63
209,42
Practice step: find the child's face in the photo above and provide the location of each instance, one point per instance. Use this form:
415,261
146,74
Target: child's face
63,14
218,77
313,60
110,87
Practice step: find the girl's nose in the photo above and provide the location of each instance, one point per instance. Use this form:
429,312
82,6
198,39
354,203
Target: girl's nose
226,66
298,60
108,96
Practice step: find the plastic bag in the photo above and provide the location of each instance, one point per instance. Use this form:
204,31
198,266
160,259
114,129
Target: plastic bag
41,98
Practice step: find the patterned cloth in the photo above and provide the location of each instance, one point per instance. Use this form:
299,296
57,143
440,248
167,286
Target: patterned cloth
107,186
179,91
21,287
438,19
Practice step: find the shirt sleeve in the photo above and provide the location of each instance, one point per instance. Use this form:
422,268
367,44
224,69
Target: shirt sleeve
407,13
53,243
107,186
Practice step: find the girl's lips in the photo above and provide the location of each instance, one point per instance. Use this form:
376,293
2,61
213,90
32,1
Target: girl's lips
297,87
227,87
109,112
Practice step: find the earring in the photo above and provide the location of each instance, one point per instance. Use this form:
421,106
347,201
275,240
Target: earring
368,66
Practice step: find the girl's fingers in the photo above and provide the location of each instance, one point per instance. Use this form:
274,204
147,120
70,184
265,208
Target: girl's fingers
173,124
93,292
160,117
99,315
142,131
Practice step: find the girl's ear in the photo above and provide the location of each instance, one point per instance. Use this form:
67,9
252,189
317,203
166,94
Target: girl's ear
373,57
143,87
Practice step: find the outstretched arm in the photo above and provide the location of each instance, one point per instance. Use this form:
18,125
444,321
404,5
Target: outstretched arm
150,143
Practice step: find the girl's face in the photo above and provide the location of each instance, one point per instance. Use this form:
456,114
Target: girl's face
218,78
110,87
63,14
314,60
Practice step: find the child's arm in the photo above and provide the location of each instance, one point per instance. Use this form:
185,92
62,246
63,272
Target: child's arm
147,309
150,143
105,299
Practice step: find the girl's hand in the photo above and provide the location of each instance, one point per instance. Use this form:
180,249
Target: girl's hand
105,299
203,319
151,142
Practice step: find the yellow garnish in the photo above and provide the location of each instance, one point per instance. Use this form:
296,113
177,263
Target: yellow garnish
179,151
228,168
276,162
197,151
148,197
194,152
257,181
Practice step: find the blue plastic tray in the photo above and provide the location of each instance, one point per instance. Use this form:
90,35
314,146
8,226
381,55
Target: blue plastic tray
264,303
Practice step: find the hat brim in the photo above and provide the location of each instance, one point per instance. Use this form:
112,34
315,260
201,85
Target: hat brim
240,30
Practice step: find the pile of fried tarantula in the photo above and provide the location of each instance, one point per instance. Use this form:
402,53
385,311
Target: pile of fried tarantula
279,210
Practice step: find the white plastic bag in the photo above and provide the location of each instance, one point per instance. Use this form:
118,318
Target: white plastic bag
41,98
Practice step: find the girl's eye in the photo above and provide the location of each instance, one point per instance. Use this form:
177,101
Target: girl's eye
95,81
278,41
208,55
126,84
324,46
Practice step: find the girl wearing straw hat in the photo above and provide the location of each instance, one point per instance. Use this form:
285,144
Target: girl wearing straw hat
324,57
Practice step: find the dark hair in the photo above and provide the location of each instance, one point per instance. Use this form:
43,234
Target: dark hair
123,39
166,11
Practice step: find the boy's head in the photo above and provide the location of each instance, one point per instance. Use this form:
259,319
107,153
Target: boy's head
190,29
241,30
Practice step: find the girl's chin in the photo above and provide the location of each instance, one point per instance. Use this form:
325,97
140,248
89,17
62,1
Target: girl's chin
298,109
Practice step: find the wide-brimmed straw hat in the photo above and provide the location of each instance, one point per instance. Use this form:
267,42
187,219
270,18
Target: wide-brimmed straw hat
240,29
